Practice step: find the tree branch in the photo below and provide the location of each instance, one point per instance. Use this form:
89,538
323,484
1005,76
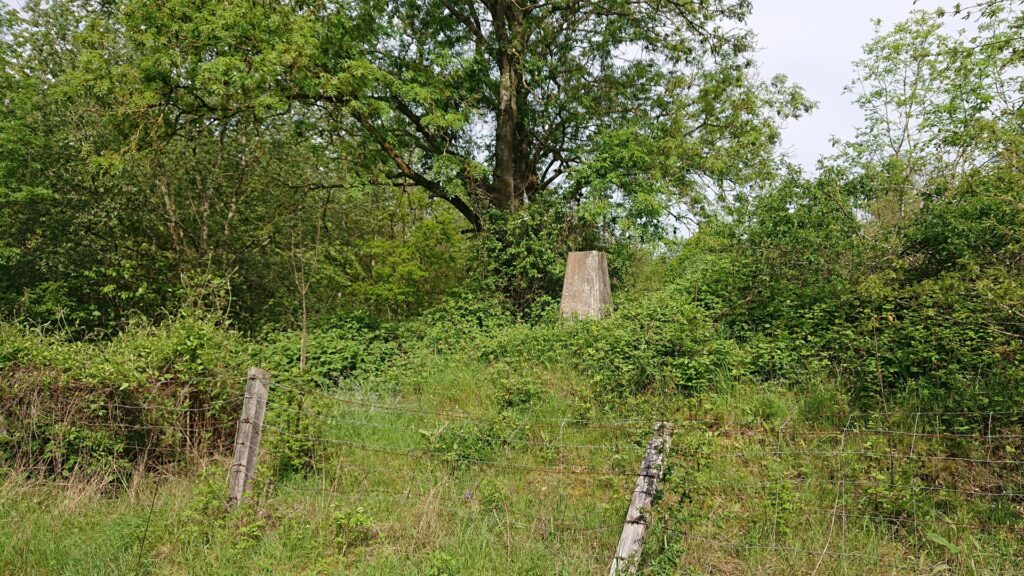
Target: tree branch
417,122
471,24
434,189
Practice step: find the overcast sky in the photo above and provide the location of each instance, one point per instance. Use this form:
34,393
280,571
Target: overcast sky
813,42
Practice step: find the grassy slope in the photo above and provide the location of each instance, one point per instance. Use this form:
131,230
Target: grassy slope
739,500
365,510
776,487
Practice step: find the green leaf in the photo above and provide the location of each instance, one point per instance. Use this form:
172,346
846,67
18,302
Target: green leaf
938,539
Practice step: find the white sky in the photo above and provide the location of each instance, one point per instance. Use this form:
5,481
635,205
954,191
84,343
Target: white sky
813,42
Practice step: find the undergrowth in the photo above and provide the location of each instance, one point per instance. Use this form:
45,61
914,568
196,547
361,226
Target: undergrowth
479,445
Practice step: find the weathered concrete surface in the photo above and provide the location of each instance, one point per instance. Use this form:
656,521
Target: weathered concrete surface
586,292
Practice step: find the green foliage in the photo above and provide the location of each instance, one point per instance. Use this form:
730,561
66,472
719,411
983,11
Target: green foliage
206,517
517,392
399,275
977,224
420,86
144,145
469,443
346,350
352,528
653,343
154,395
441,564
524,253
457,320
657,343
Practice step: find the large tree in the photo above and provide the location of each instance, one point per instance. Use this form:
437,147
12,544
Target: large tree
487,104
483,104
147,143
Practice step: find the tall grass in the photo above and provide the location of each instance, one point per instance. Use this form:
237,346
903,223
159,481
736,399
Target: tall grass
501,448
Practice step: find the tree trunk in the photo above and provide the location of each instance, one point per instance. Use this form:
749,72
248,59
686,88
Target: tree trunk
305,335
504,184
527,178
171,212
504,189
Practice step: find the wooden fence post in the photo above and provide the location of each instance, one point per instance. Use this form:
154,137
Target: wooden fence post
247,440
627,555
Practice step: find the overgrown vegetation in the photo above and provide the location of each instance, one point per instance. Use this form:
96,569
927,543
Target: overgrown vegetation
187,190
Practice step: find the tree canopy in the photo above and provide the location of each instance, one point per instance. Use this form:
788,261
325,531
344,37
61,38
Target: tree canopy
481,104
183,140
488,104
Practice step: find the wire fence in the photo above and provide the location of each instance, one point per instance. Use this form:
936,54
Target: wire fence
879,494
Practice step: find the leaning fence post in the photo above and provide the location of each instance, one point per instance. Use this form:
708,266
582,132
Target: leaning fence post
627,555
247,439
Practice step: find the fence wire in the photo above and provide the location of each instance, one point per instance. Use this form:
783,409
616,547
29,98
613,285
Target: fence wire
734,489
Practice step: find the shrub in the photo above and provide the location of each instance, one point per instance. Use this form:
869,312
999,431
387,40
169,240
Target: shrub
151,395
654,342
344,351
659,342
352,528
516,392
523,253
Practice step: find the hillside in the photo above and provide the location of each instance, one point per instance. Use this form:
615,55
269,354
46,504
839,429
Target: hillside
281,291
473,450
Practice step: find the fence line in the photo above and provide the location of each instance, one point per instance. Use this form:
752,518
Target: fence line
181,409
768,444
855,483
415,453
462,415
512,441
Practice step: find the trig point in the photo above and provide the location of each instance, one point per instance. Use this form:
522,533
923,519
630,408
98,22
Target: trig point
587,292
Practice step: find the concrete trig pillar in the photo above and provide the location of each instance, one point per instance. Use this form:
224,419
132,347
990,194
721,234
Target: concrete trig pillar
587,292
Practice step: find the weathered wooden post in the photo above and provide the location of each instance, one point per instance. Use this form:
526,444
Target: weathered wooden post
247,439
627,555
586,291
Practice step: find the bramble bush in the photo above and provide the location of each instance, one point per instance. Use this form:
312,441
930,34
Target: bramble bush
920,315
658,342
152,394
